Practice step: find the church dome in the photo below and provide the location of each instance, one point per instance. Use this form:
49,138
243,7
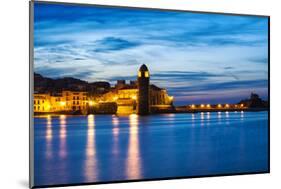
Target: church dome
143,68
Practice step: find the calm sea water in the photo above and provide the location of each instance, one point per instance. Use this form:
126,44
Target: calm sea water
97,148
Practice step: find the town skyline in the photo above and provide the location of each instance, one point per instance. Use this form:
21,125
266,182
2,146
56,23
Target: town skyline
209,59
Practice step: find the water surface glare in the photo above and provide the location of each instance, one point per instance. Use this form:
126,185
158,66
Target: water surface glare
100,148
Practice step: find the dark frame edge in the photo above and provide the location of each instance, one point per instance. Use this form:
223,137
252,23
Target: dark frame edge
31,131
144,8
268,80
150,180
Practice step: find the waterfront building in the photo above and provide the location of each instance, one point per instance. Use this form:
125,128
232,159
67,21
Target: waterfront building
41,103
134,97
75,100
127,99
120,84
159,99
60,102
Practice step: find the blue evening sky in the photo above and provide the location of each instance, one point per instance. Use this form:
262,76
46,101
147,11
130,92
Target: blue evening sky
199,58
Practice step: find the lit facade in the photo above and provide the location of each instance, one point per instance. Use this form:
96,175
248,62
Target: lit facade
41,103
133,97
65,101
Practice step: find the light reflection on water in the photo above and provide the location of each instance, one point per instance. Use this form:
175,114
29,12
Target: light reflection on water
208,116
242,116
90,161
133,159
202,119
193,119
107,147
49,137
63,134
115,130
227,118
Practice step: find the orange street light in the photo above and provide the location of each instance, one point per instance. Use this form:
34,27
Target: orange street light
219,105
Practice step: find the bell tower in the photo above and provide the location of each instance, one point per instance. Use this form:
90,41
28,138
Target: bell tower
143,91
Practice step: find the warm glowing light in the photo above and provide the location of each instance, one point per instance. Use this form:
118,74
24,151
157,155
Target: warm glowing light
115,98
62,103
139,74
171,98
193,106
202,105
49,136
90,161
62,136
133,119
192,116
227,105
134,97
92,103
219,105
227,115
115,131
133,160
241,105
242,115
202,117
146,74
48,107
208,106
115,120
49,128
62,126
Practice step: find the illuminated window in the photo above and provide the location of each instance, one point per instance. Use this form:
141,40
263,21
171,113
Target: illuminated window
146,74
139,74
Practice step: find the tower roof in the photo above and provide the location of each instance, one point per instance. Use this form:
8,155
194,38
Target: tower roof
143,68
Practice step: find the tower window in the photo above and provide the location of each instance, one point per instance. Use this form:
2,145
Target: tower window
146,74
139,73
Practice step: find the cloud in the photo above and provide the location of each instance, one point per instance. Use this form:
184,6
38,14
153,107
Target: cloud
185,52
223,86
228,68
65,72
113,44
263,60
186,75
